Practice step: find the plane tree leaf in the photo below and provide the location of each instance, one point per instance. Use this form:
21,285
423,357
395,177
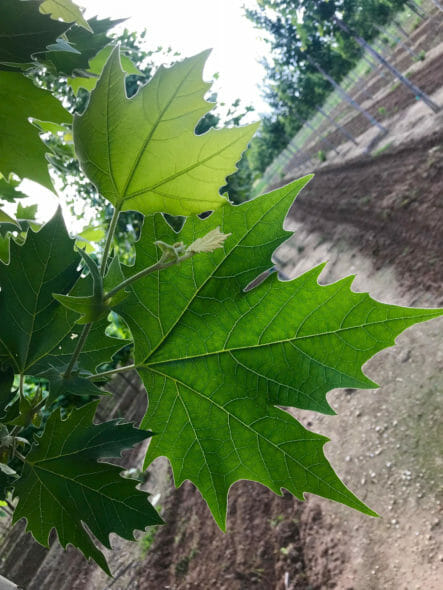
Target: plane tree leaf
216,360
66,11
94,307
21,150
33,323
165,167
98,350
25,31
64,487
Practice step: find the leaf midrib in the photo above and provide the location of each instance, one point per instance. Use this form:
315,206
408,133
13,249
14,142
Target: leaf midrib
211,275
144,145
183,171
82,485
146,365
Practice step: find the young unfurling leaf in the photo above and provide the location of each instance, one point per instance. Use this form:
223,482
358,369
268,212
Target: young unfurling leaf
208,243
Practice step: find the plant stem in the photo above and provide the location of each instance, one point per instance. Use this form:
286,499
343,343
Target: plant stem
78,349
40,404
21,385
160,265
112,372
109,238
20,456
87,328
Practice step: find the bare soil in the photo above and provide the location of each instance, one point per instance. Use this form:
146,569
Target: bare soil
380,217
390,206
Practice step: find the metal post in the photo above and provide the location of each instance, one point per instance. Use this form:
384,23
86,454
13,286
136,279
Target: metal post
337,126
412,87
397,40
314,130
346,96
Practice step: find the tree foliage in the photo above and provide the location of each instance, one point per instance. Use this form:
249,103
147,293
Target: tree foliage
296,32
219,360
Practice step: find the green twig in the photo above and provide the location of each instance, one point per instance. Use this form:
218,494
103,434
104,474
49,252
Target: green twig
78,349
112,372
21,385
109,238
87,328
160,265
20,456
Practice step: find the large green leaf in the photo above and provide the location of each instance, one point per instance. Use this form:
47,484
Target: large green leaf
66,11
165,166
215,359
25,31
32,322
21,150
63,486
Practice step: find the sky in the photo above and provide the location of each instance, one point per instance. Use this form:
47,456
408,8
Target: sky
187,26
194,25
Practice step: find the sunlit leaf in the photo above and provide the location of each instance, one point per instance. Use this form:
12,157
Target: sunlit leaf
216,360
96,65
66,11
21,150
165,167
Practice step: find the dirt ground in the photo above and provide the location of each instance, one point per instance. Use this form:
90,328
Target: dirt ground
379,217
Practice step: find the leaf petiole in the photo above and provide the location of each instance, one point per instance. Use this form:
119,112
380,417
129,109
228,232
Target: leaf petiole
87,328
81,342
19,456
112,372
109,238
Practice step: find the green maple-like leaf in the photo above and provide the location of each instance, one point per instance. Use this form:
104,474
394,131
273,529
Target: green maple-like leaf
165,167
25,31
63,486
21,150
66,11
98,349
216,360
32,322
93,307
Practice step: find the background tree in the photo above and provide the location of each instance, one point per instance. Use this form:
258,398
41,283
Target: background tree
298,30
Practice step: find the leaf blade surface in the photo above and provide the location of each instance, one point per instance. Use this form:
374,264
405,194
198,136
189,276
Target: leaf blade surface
217,360
63,485
165,167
